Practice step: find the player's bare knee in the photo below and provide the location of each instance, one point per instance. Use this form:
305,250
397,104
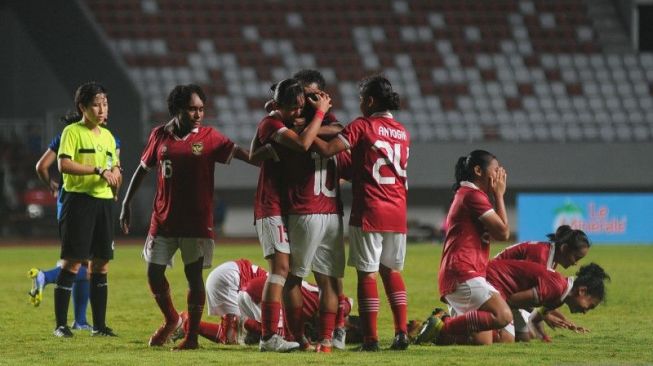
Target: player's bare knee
503,317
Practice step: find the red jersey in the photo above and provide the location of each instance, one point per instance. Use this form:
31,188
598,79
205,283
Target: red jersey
379,153
541,252
183,204
310,183
248,271
310,294
466,247
268,199
512,276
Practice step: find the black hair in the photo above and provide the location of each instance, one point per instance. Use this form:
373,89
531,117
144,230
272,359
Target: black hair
465,165
84,95
179,97
380,89
310,76
575,239
286,92
593,277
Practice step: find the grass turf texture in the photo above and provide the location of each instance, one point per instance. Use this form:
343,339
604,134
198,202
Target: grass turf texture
620,329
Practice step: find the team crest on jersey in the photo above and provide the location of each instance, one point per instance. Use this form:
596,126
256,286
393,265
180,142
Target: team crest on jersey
164,150
197,148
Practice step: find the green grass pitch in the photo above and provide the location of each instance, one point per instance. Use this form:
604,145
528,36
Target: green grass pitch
621,329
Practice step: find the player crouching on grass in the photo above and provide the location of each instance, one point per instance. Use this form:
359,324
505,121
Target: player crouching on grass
524,285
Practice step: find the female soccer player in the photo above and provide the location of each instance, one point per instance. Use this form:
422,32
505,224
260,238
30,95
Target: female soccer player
91,172
472,221
567,246
222,287
379,151
184,153
274,130
525,284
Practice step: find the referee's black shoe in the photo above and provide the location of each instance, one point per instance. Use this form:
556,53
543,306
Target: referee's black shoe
63,331
103,332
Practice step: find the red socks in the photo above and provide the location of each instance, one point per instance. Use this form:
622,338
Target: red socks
471,322
395,289
368,308
161,293
269,318
327,324
212,331
195,300
344,308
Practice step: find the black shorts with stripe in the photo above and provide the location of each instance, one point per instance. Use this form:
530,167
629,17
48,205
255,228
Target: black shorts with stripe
86,227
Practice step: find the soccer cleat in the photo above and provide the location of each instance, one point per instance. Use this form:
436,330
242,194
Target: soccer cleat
103,332
413,326
324,347
400,342
38,283
368,347
277,344
76,326
186,344
180,332
63,331
304,344
430,329
164,333
339,337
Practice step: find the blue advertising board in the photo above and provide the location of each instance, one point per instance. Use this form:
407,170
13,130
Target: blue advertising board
605,217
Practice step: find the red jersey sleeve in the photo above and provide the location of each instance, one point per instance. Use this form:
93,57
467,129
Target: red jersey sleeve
268,128
353,133
148,158
478,203
344,165
224,148
552,288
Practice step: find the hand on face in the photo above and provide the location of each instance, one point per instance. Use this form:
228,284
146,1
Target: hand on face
498,181
322,102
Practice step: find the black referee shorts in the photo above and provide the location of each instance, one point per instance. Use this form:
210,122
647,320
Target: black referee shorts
86,227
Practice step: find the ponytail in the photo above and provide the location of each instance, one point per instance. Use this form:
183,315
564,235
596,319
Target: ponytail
575,239
465,166
593,277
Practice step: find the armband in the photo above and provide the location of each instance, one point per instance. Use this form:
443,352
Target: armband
319,114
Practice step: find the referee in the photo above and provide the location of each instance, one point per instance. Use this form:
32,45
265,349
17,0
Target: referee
91,174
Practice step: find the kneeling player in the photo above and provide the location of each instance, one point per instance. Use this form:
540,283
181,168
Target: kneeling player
222,287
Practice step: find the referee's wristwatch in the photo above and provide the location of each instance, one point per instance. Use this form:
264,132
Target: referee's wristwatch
99,171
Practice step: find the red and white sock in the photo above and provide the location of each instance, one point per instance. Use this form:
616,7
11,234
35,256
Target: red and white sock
471,322
368,308
212,331
396,292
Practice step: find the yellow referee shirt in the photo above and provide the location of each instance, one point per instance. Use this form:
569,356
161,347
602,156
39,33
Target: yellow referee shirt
86,148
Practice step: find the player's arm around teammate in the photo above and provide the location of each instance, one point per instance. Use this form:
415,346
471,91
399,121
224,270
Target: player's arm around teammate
275,129
184,153
90,168
379,146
